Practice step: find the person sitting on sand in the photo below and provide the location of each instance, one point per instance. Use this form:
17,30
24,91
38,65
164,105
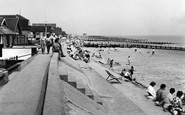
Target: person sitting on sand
117,63
176,107
151,91
108,61
160,95
168,100
99,55
123,72
127,75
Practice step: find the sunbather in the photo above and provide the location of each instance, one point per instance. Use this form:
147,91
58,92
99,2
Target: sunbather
177,108
160,95
168,100
151,91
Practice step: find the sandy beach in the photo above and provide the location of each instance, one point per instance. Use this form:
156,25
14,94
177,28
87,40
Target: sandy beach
166,66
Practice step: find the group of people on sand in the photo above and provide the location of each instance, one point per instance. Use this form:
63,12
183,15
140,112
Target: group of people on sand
51,41
111,62
169,101
128,73
77,53
153,51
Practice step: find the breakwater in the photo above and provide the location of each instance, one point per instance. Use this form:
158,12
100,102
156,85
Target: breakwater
104,41
132,45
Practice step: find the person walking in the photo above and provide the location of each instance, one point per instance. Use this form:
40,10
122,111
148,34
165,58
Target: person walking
48,44
43,44
153,52
56,48
111,63
129,59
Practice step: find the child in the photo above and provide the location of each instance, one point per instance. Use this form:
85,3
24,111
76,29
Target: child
176,107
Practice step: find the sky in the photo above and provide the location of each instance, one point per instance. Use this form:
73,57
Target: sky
104,17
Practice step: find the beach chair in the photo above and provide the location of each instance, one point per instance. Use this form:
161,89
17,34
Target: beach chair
112,77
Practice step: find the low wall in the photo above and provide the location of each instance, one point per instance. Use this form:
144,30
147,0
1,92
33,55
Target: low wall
12,52
25,94
54,98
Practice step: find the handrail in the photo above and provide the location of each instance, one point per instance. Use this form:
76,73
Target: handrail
16,57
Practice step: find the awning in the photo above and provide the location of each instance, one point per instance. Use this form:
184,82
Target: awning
5,31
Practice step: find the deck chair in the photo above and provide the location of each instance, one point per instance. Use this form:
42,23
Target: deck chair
112,77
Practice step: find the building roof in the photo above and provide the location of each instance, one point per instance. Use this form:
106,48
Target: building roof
14,16
53,25
40,29
10,19
2,21
5,31
12,24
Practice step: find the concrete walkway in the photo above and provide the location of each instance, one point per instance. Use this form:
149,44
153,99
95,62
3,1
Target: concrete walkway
132,96
23,94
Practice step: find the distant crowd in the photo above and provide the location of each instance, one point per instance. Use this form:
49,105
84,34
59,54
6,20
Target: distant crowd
51,41
77,53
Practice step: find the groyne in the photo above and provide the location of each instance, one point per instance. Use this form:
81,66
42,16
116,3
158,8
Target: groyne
132,45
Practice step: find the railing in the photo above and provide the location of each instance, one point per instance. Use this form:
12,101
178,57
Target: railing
17,57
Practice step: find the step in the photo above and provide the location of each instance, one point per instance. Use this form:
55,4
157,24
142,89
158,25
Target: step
66,75
80,86
97,98
88,92
63,73
72,80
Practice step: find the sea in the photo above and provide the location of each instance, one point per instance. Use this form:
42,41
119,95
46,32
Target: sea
177,40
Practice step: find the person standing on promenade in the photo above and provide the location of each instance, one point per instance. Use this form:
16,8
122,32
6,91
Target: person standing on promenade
56,47
61,51
129,60
43,44
48,44
160,95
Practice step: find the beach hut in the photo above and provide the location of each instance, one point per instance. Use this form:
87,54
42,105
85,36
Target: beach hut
19,25
6,35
